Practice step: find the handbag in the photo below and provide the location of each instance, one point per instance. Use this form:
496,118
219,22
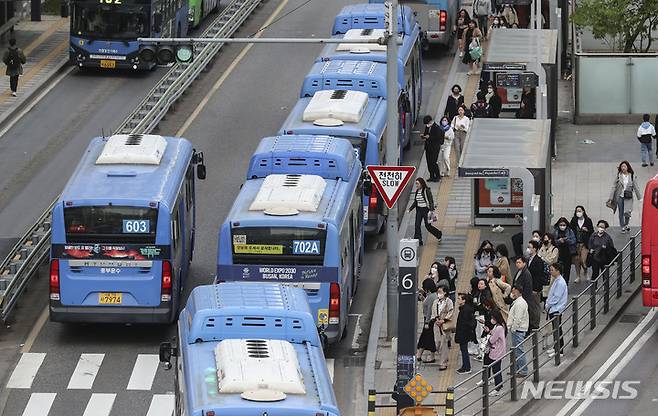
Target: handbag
432,217
475,50
628,194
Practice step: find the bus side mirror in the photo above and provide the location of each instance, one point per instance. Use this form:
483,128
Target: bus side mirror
201,172
157,22
166,352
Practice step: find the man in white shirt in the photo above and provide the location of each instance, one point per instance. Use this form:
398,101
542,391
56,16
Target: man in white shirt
517,323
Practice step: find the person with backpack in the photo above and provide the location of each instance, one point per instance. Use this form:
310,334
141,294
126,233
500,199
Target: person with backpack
645,134
480,108
482,10
14,58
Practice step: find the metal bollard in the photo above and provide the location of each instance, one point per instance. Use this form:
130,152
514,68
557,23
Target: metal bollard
512,370
620,269
535,356
574,321
632,259
606,290
485,390
372,399
592,306
450,401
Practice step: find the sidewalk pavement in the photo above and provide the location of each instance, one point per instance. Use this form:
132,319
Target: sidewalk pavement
582,174
45,44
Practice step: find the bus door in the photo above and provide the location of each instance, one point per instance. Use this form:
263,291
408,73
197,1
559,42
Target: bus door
178,248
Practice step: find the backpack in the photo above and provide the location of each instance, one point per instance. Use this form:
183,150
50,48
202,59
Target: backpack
483,7
479,110
13,60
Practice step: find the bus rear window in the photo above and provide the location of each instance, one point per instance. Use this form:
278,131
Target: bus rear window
278,245
110,224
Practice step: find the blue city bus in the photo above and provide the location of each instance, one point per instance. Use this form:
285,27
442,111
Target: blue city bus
298,220
123,231
351,115
363,21
104,34
436,19
249,349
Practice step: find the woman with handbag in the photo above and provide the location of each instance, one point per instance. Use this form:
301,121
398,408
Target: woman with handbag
426,340
497,348
621,194
424,206
472,44
442,314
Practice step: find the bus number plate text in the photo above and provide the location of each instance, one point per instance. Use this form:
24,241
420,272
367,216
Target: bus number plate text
109,298
306,247
106,63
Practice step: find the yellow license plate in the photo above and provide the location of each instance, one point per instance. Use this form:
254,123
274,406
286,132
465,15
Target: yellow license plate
106,63
109,298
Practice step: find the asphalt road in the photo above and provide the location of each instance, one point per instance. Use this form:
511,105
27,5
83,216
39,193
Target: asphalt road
41,151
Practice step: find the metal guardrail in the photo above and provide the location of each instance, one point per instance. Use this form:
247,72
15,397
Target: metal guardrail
33,247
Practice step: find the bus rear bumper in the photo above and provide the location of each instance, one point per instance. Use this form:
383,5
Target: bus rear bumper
105,314
650,297
437,37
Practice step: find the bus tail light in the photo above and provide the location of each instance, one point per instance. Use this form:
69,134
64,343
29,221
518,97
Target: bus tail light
443,19
646,271
334,304
372,202
166,281
54,279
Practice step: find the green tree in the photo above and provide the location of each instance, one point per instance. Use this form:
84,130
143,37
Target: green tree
624,25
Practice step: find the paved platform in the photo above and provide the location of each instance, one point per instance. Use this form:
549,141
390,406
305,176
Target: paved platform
45,44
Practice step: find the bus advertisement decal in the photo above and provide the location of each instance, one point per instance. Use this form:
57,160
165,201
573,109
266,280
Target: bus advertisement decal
110,251
257,249
277,273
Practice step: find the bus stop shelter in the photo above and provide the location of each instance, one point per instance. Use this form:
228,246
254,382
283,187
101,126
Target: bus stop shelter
510,163
513,52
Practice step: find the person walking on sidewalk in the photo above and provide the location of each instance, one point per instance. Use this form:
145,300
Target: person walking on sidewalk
465,330
460,125
426,340
461,24
424,205
446,147
14,58
455,100
556,302
472,47
601,249
583,227
518,322
482,10
645,134
434,137
442,314
621,194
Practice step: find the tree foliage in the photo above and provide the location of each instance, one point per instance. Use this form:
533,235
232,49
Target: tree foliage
624,25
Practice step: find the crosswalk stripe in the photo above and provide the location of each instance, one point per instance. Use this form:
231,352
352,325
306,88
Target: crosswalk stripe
26,370
100,404
143,372
330,367
85,372
161,405
39,404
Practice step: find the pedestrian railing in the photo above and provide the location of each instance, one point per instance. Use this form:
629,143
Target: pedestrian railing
473,395
448,405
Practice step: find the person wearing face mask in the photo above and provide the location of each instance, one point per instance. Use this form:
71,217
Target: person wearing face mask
496,351
550,254
583,227
621,195
423,204
426,339
446,147
499,23
439,275
494,100
455,100
565,240
480,108
434,137
450,263
442,315
484,258
601,249
460,125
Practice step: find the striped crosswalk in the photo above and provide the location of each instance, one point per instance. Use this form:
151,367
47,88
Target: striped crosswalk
100,404
144,371
85,372
39,404
25,371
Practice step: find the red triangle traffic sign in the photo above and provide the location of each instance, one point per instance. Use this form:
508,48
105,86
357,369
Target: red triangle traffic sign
390,181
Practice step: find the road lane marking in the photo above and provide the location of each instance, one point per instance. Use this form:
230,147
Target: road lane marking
100,404
161,405
614,358
228,72
614,373
330,367
85,372
26,370
39,404
144,371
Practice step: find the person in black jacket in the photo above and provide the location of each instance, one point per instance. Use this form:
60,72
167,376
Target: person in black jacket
465,330
434,137
494,100
583,227
455,100
480,108
523,279
423,204
536,266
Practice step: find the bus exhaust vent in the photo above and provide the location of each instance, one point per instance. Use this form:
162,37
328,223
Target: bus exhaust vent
345,106
132,149
362,34
247,365
286,194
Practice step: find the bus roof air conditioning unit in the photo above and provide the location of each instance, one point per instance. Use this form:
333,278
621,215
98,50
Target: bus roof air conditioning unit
362,34
335,107
133,149
289,194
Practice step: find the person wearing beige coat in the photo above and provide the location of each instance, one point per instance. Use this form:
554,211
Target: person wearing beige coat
444,324
499,289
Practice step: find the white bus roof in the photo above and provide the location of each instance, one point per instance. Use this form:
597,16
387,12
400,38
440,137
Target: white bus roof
342,105
289,194
362,34
133,149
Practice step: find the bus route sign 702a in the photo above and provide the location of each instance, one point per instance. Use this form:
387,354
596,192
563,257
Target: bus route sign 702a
390,181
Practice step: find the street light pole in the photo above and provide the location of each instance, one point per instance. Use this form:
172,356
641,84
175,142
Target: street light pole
392,156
